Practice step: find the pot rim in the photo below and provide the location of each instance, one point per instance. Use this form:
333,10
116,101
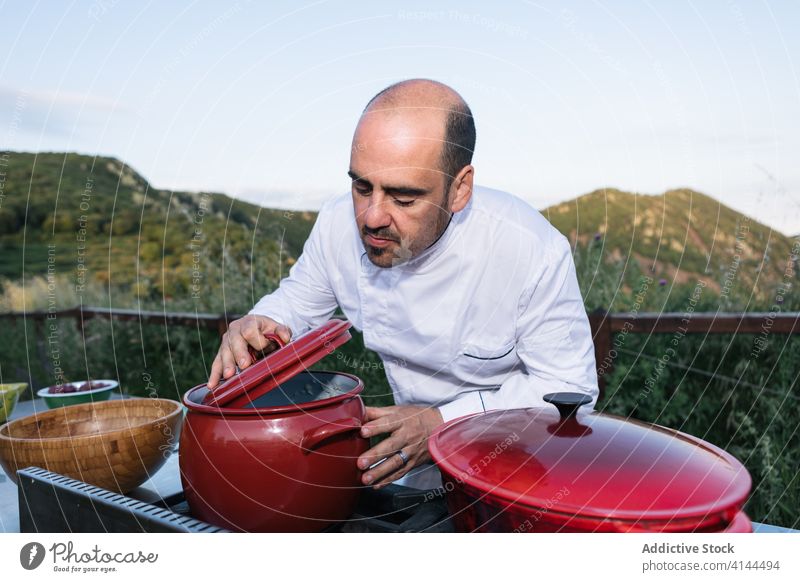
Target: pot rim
734,520
275,410
733,499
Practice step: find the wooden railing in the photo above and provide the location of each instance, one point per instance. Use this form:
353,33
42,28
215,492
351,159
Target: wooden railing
82,315
604,325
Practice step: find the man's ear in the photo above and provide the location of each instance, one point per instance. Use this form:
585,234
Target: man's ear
462,184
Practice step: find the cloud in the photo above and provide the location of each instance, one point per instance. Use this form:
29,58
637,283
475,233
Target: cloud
66,100
51,113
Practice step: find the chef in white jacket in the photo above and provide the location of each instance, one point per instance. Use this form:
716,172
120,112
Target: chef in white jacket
468,294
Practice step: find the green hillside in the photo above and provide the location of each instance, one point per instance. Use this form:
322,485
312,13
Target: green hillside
681,236
95,221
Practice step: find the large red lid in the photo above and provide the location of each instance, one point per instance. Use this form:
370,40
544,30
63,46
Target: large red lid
589,464
280,365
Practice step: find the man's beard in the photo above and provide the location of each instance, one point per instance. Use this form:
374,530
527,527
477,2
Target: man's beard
402,250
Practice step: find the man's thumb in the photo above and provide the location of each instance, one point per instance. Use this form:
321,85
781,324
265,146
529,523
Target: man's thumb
284,333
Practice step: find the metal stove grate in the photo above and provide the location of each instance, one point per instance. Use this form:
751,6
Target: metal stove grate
52,503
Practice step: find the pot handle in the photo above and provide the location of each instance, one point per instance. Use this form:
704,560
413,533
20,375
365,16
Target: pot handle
314,437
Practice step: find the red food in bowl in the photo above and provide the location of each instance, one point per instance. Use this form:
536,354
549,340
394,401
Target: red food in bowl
91,385
74,387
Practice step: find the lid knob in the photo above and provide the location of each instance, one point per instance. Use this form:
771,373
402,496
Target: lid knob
567,403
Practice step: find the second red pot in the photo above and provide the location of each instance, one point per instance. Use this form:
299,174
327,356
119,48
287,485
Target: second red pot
548,470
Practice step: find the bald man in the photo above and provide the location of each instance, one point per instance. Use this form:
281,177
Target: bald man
468,294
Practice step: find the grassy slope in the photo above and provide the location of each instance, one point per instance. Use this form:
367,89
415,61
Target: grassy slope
141,241
680,235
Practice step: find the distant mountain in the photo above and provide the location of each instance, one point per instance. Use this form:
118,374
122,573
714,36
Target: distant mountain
681,236
96,219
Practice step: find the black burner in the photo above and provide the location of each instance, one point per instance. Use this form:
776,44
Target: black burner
53,503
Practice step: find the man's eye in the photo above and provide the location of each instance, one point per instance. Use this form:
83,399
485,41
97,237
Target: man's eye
403,202
362,190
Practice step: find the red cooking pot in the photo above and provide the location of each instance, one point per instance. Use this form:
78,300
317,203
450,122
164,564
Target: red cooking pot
561,470
285,461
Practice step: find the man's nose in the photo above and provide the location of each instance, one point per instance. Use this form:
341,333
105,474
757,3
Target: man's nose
377,215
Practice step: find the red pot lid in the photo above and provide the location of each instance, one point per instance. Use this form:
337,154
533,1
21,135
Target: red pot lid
280,365
589,464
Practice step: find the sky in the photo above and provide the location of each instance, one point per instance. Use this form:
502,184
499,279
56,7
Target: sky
260,100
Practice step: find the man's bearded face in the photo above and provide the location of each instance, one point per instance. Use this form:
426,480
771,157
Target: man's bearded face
398,189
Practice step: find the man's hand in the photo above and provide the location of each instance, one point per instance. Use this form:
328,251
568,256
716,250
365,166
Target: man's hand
410,427
233,352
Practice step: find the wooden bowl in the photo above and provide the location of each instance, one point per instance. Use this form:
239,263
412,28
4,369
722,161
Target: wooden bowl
116,445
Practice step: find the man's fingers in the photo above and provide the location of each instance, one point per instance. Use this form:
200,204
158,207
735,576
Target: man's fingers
374,412
228,364
216,372
264,325
385,480
388,423
392,464
254,333
380,451
284,333
237,345
234,348
254,338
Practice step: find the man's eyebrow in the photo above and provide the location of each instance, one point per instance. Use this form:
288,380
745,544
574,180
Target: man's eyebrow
355,177
391,190
404,191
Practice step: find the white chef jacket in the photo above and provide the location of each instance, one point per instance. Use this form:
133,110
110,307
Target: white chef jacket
488,317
